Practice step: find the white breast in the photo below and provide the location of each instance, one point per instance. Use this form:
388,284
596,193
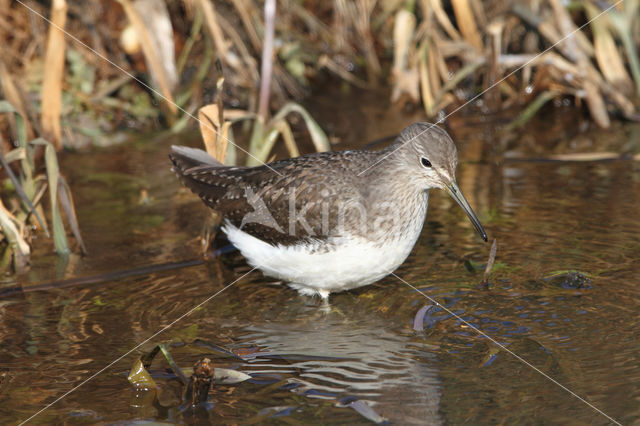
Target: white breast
336,264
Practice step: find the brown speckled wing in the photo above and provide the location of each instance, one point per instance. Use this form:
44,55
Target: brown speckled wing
314,188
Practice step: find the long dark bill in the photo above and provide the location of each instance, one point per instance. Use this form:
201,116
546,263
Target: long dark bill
456,194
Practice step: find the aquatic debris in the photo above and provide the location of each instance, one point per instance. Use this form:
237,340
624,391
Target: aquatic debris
418,321
140,378
197,390
367,412
165,351
227,376
568,280
362,408
491,356
197,386
277,411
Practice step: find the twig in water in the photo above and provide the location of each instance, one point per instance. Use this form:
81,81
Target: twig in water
492,258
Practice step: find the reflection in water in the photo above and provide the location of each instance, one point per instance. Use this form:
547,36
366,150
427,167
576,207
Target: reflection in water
332,356
551,221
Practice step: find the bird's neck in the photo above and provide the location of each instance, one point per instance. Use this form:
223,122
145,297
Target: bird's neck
397,208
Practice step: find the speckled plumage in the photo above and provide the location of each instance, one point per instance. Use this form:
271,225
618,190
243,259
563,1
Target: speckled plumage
289,216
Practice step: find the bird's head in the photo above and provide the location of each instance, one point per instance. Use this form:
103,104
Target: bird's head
428,158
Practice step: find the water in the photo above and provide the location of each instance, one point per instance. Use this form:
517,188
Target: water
579,327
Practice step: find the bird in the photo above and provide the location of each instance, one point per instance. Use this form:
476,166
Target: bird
330,221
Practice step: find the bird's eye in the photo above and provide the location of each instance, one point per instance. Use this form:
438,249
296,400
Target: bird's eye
426,162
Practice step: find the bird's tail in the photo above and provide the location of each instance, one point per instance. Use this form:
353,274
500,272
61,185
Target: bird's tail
197,170
185,158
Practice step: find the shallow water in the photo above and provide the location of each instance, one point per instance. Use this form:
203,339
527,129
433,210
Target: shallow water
580,329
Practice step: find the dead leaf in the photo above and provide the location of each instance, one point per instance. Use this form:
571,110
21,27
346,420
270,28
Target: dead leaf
216,137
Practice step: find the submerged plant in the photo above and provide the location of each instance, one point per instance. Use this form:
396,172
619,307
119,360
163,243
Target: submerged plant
21,207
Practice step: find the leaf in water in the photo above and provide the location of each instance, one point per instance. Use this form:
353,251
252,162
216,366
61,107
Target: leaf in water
53,175
147,358
172,363
490,357
367,412
66,201
418,321
140,377
225,376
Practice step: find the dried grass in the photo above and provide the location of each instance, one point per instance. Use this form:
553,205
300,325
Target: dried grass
52,84
440,56
150,48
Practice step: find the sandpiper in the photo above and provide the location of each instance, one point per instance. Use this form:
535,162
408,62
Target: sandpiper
329,221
